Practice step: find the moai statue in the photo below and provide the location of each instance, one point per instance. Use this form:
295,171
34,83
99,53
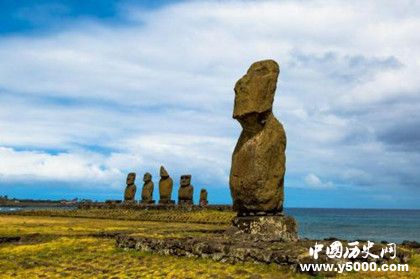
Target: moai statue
147,192
165,187
131,188
186,190
258,161
203,197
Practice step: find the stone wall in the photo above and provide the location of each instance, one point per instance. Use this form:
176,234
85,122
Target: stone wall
227,249
136,206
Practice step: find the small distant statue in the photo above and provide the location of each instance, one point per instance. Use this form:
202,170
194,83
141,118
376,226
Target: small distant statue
203,197
165,187
147,192
186,190
131,188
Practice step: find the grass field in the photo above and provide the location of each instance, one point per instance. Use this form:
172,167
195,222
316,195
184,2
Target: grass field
74,247
169,216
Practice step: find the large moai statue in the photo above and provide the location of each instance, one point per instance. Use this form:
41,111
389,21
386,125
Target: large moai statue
165,187
186,190
147,192
203,197
258,161
131,188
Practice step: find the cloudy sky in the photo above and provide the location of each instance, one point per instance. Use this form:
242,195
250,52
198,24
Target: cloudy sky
90,90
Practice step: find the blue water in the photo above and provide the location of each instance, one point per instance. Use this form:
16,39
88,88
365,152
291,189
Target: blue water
358,224
17,208
8,209
351,224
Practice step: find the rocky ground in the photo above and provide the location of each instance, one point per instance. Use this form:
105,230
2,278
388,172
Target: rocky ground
233,250
41,246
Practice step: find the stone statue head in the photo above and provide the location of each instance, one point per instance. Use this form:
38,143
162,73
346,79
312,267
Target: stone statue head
163,172
254,92
147,177
203,191
185,180
131,177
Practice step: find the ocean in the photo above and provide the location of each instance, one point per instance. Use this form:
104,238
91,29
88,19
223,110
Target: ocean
17,208
392,225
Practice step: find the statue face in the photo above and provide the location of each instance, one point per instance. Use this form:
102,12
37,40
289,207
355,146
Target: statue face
147,177
163,172
185,180
254,92
131,177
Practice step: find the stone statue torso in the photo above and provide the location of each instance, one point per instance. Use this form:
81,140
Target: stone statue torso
185,192
258,168
147,192
165,188
130,192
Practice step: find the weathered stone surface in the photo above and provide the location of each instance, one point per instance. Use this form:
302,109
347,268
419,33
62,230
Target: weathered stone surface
264,228
258,161
234,250
203,197
131,188
147,192
186,190
165,187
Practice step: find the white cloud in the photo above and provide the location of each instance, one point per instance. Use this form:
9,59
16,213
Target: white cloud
315,182
21,165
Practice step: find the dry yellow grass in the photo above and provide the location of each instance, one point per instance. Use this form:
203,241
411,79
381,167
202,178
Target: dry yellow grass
87,257
65,248
208,216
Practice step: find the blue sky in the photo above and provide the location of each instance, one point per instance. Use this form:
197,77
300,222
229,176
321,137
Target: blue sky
90,90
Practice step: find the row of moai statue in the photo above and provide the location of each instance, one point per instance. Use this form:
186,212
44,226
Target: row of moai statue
185,192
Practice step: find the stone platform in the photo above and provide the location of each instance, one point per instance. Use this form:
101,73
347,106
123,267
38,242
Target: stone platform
138,206
264,228
151,202
165,202
233,250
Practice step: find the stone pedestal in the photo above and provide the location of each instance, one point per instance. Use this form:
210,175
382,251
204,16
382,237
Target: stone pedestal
265,228
147,202
166,202
204,203
185,202
130,202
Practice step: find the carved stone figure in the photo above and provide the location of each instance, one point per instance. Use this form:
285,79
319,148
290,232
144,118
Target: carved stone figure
147,192
258,161
186,190
131,188
203,197
165,187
